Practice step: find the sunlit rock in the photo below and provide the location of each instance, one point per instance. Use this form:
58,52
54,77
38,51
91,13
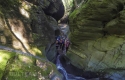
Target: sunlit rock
98,32
25,27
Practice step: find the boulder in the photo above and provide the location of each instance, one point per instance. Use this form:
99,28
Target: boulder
97,35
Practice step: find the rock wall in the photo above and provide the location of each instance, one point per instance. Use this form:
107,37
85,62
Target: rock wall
69,6
98,35
26,26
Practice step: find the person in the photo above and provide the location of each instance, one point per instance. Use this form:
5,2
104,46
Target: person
67,43
58,38
63,42
57,44
60,43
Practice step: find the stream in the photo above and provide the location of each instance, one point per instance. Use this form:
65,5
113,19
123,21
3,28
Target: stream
66,76
69,71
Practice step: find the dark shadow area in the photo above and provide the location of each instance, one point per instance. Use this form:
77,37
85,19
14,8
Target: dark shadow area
59,14
33,1
71,69
56,15
57,32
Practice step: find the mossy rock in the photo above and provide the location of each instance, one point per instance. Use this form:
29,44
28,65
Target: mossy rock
5,56
23,67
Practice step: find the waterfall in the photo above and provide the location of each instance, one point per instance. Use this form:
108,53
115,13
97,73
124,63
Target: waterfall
65,74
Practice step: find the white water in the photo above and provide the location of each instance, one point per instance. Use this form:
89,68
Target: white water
65,74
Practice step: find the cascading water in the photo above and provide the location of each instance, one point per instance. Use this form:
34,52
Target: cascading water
65,74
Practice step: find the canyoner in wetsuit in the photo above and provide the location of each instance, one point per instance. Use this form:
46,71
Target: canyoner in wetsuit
67,43
60,40
57,42
62,43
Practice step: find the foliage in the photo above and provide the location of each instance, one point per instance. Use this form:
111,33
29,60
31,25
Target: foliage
9,3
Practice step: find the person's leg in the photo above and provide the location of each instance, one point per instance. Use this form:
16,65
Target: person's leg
63,47
67,49
57,47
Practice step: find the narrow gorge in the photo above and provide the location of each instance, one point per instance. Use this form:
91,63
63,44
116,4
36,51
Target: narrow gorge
95,28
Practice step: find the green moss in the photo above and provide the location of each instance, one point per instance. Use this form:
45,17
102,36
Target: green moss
1,10
74,57
15,66
88,21
8,5
39,51
24,69
74,14
4,57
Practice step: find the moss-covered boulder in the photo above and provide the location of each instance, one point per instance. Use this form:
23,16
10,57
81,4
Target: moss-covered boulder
22,66
97,35
24,26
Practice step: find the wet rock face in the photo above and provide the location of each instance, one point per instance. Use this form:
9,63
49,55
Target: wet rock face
98,35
